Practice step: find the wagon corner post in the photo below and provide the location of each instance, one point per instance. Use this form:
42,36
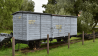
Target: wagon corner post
13,46
47,43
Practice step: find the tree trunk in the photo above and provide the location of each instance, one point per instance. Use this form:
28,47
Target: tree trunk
95,24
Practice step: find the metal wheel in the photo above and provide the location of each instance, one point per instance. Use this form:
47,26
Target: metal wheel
38,44
58,40
31,45
65,39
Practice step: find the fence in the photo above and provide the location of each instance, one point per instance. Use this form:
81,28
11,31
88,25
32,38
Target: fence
13,42
69,40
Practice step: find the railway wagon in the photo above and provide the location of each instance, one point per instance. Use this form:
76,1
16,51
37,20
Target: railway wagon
32,27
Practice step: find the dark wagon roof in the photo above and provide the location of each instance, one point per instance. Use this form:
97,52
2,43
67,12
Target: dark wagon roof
63,15
29,12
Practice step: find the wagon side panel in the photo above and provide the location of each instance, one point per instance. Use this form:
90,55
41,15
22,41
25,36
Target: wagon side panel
55,26
18,26
73,26
24,27
46,26
67,25
61,29
33,30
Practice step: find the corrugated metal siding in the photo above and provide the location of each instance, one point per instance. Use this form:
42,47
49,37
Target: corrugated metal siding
19,27
45,26
33,26
61,29
24,25
55,24
73,26
67,26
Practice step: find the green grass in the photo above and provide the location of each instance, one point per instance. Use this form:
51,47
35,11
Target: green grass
6,31
79,33
72,38
89,48
21,46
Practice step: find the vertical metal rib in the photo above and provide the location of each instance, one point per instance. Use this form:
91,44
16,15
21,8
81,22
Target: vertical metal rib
40,26
70,25
22,24
51,27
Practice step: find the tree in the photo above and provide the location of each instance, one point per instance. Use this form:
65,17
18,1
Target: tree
88,9
27,5
92,8
7,7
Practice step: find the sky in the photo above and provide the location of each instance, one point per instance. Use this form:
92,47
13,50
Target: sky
38,5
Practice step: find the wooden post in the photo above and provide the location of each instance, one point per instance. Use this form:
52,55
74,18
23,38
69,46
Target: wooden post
93,36
68,40
47,43
13,46
83,38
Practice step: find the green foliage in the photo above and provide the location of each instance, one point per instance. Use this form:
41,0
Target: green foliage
7,7
56,7
49,8
88,10
6,31
93,9
27,5
83,22
51,1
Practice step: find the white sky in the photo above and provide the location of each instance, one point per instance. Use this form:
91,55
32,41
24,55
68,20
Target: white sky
38,5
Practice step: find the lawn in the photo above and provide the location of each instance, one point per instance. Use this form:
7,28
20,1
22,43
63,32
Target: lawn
88,49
